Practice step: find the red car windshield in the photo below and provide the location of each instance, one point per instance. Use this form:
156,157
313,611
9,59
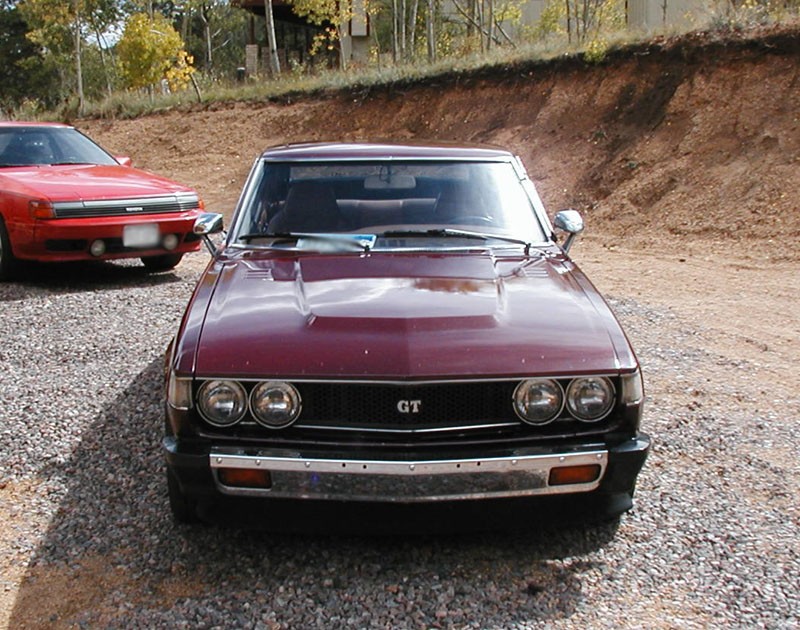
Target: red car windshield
44,146
414,200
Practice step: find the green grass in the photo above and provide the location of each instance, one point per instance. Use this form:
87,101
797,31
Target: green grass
296,85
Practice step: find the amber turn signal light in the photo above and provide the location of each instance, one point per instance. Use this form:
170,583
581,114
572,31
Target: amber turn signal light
245,478
41,209
566,475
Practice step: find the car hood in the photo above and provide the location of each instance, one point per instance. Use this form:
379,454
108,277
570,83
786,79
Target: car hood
404,316
86,182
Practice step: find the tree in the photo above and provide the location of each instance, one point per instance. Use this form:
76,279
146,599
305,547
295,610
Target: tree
335,14
151,50
586,18
24,73
214,31
60,28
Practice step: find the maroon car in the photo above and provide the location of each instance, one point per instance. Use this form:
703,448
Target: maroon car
64,198
398,323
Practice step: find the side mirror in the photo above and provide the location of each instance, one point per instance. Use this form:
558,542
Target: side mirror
206,224
571,222
123,160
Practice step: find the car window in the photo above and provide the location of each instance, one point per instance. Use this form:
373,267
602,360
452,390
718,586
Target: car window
382,196
39,146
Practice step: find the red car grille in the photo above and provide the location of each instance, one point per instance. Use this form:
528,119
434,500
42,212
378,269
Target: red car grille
126,207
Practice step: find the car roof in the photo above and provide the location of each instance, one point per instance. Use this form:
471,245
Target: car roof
17,123
324,151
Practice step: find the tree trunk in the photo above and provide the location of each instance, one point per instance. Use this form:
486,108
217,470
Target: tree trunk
101,48
490,25
403,30
342,57
274,61
204,18
429,27
78,66
479,20
569,23
412,26
395,48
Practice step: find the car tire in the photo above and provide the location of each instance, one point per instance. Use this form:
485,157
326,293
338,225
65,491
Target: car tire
8,263
184,509
164,262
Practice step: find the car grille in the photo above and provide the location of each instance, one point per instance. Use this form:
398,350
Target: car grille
126,207
388,407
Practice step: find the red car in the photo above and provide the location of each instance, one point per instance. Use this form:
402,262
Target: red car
63,198
398,324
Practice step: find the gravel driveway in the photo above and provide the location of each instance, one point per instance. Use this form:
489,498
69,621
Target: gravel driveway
87,539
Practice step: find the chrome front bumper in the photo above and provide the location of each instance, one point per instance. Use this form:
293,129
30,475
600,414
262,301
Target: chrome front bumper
523,473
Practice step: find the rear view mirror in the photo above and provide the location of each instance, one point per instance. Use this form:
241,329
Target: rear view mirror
390,181
571,222
208,223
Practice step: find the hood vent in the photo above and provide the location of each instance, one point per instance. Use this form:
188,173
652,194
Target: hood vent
535,269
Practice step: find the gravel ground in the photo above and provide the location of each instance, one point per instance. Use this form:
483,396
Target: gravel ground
88,541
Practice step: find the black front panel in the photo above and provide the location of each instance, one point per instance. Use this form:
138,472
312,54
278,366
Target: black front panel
406,407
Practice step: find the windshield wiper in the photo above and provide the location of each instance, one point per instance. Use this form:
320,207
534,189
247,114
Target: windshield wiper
449,232
363,241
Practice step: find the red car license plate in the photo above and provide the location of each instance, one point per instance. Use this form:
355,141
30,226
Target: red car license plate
143,235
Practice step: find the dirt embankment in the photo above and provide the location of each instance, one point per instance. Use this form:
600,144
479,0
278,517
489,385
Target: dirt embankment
689,142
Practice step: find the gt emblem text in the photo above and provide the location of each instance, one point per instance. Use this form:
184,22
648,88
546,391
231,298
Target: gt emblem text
409,406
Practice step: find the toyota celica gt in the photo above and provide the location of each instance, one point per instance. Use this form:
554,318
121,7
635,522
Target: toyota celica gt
398,324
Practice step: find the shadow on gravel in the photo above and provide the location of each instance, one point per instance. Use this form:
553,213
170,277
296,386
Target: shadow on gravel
112,556
76,277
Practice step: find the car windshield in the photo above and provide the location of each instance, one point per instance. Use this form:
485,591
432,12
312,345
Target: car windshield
44,146
386,205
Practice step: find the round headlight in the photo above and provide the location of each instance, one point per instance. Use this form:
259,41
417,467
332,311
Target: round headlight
538,401
590,399
222,403
275,405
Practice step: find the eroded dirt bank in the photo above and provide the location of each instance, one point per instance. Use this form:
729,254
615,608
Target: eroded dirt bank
684,142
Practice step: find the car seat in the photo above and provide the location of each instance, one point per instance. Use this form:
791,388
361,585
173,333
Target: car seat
310,207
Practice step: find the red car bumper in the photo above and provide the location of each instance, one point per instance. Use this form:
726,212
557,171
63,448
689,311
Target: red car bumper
55,240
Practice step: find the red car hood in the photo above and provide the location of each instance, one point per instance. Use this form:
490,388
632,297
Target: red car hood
85,182
404,316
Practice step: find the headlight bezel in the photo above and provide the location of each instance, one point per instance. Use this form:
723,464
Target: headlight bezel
525,387
295,401
202,400
571,394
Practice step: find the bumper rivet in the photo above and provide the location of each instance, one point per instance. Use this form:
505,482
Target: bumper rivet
411,467
513,462
308,464
219,460
258,462
562,459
